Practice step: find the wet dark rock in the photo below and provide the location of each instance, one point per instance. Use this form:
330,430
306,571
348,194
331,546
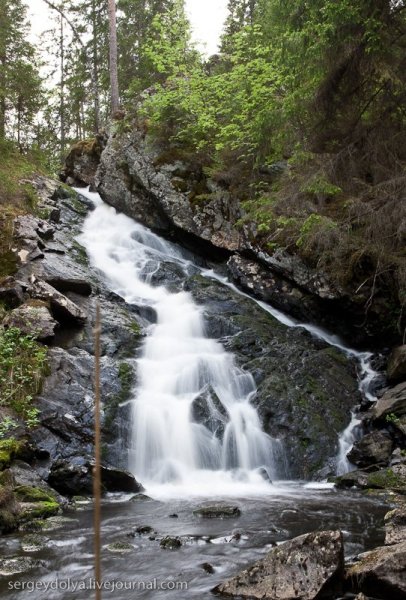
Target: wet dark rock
208,410
393,478
397,364
31,319
391,409
11,292
208,568
174,516
374,448
380,573
170,543
395,526
141,498
218,511
72,479
306,417
304,568
120,548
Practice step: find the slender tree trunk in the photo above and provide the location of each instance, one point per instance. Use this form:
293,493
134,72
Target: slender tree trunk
115,100
2,97
62,91
89,62
96,99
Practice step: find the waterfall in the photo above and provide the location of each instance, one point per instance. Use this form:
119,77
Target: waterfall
181,368
181,373
367,374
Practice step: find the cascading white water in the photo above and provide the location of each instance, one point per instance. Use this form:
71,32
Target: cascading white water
178,367
367,374
129,255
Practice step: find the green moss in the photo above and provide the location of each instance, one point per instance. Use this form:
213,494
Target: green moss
386,479
80,253
336,355
9,449
25,493
40,510
135,328
126,377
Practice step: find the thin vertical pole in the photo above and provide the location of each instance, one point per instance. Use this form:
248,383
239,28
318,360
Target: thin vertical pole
97,457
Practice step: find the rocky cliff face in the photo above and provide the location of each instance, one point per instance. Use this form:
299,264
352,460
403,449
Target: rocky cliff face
179,201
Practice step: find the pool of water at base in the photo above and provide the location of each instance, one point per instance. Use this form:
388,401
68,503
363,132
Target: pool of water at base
228,545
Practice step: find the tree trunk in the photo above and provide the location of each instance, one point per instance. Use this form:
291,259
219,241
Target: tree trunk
62,91
115,101
96,100
95,88
2,96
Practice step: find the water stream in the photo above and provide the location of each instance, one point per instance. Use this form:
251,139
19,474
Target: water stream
179,365
182,463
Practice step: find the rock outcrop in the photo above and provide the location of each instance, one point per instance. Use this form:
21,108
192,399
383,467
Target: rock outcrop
305,568
380,573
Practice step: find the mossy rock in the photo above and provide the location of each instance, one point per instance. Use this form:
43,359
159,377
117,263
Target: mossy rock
33,543
120,547
39,510
9,449
25,493
170,543
217,511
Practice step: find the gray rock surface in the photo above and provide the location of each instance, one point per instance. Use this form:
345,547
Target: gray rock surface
35,320
304,568
380,573
374,448
395,526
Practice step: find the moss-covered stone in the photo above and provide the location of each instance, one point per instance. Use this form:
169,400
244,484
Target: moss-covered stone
25,493
120,548
170,543
39,510
9,449
126,377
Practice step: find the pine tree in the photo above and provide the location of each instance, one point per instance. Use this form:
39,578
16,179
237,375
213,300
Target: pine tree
20,84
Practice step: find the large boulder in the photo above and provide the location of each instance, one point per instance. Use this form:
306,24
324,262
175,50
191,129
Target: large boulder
128,178
32,319
82,162
11,292
395,526
391,408
75,479
304,568
374,448
397,364
380,573
393,478
63,308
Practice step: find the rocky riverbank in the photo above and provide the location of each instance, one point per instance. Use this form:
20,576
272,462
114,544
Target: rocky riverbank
51,298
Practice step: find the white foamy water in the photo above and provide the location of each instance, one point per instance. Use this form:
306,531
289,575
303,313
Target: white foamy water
367,373
180,366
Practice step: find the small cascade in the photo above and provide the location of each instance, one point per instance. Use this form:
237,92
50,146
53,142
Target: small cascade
367,374
180,368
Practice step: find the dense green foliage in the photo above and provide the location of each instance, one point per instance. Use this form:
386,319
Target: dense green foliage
23,364
20,83
302,117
